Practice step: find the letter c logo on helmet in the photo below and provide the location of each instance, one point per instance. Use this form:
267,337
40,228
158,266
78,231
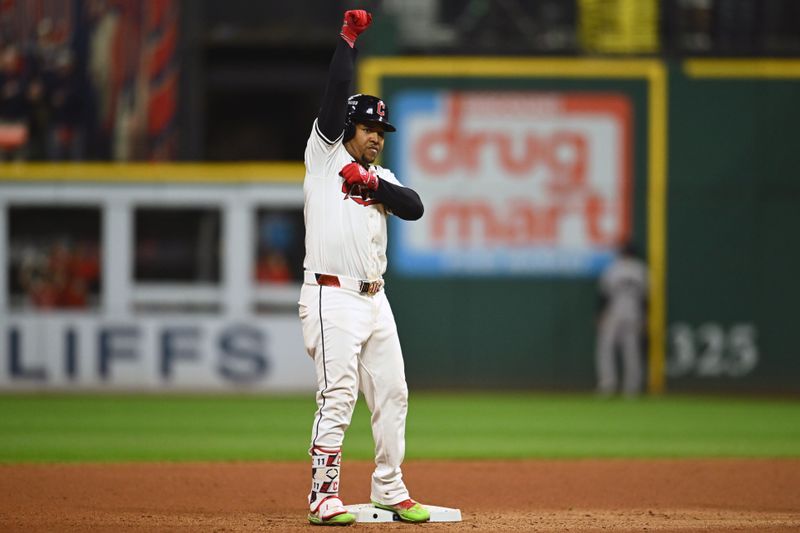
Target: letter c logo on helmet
368,109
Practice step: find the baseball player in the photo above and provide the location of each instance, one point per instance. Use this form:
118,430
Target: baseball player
623,292
348,326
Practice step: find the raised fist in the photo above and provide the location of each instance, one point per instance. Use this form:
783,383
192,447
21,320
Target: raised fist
355,174
355,22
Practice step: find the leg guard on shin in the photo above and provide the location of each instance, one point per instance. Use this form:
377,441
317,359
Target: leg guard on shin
326,507
325,465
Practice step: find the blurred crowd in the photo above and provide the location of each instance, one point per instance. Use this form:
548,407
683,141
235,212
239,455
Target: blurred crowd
280,247
42,100
87,79
60,274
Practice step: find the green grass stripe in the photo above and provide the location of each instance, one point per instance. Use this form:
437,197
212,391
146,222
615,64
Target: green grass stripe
35,428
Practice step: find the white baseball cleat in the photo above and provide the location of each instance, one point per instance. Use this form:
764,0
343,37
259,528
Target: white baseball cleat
331,512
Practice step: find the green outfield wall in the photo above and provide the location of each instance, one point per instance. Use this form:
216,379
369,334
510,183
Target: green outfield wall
715,204
734,208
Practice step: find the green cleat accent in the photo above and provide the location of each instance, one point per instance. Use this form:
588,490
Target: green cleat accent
344,519
407,510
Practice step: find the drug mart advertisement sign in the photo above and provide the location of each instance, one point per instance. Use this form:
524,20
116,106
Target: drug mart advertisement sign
524,183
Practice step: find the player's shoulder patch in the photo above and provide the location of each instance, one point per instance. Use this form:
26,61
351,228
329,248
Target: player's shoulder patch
325,139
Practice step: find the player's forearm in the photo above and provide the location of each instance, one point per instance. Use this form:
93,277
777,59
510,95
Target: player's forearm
334,103
402,201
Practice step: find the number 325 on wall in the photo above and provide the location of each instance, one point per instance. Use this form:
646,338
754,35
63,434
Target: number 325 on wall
712,351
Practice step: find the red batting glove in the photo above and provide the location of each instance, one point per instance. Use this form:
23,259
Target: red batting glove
355,174
355,22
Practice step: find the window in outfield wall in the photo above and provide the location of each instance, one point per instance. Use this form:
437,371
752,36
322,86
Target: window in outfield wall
177,245
54,257
279,246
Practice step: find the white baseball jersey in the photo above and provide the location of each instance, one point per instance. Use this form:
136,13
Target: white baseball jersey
344,236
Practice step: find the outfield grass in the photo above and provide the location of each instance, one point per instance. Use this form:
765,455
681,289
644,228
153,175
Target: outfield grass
443,426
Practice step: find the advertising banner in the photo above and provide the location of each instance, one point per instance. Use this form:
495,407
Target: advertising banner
66,351
514,183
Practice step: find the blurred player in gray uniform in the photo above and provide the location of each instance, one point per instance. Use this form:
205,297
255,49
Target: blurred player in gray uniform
348,325
623,296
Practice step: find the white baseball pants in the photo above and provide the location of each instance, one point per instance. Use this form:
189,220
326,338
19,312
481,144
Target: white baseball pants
353,340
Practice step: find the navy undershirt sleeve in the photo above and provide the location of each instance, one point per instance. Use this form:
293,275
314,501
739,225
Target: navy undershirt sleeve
334,103
402,201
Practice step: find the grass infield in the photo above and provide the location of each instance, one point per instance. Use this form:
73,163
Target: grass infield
67,428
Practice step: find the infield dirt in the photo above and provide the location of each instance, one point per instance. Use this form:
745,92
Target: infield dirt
577,495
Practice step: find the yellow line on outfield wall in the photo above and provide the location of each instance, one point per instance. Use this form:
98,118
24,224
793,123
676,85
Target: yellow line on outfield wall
373,70
742,68
287,172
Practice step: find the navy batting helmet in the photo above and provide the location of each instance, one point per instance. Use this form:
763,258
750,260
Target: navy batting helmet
365,108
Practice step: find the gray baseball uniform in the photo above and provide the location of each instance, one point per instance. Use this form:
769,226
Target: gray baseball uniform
624,286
